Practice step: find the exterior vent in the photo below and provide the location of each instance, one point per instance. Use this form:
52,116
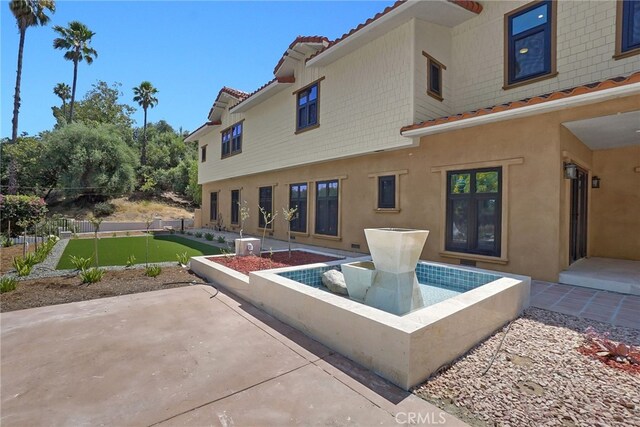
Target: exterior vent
467,262
355,246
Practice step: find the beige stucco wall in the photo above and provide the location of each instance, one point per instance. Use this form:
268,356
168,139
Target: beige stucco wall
536,232
615,206
585,46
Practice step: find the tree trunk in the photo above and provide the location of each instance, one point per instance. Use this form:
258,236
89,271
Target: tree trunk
143,154
73,89
16,99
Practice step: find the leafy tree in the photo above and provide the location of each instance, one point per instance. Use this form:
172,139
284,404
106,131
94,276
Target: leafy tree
63,91
75,39
19,210
92,161
194,190
28,13
145,96
32,171
101,105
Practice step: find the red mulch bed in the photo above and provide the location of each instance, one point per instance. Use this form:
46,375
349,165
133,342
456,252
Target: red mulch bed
592,349
245,264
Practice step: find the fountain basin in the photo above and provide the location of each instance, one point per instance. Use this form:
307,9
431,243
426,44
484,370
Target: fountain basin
359,277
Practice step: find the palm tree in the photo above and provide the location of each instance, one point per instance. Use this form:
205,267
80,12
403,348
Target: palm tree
28,13
144,95
63,91
75,40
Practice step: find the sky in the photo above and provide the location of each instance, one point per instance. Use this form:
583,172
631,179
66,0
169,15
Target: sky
188,50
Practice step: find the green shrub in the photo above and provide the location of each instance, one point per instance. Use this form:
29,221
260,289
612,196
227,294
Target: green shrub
45,248
198,234
92,275
131,260
189,233
152,270
181,231
80,263
221,239
104,209
7,284
172,231
209,236
5,241
183,258
23,266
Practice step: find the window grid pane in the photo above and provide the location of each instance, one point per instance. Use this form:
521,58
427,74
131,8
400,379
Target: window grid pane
387,192
327,208
307,110
298,199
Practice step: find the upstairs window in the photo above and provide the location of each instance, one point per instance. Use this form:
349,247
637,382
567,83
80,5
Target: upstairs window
203,154
298,200
530,43
265,198
628,31
474,211
232,140
307,108
434,77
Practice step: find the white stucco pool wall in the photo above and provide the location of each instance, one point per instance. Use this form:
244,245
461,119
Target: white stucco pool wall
407,349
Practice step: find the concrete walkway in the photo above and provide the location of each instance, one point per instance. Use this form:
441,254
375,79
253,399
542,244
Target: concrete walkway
184,356
610,307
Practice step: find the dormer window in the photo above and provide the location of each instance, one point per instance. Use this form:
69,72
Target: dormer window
232,140
530,43
307,107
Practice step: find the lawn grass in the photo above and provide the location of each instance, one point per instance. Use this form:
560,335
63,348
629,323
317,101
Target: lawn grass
116,250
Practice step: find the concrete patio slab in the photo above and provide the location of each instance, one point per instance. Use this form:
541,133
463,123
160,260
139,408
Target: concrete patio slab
616,275
185,356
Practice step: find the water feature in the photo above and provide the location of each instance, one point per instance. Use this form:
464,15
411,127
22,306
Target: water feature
391,278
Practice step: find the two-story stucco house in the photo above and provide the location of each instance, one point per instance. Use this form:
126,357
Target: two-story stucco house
509,129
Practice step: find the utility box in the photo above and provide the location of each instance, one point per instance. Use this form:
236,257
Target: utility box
248,246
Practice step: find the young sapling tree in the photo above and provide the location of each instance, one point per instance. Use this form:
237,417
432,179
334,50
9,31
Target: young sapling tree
268,218
96,228
289,215
244,215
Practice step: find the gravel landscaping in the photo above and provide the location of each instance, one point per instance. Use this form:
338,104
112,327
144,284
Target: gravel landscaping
539,378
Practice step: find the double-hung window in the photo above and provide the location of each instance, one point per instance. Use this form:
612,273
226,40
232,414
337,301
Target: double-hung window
307,108
265,200
530,42
298,200
327,207
235,206
628,31
213,206
232,140
474,211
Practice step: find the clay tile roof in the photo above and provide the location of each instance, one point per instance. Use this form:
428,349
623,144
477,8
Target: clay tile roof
300,39
472,6
238,94
552,96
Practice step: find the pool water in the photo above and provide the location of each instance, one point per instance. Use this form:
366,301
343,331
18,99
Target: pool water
437,282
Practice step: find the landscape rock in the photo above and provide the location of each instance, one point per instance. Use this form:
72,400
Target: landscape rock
334,281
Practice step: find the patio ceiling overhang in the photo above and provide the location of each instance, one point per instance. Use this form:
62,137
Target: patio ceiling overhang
600,133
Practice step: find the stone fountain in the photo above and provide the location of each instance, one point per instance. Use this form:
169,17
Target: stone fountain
389,282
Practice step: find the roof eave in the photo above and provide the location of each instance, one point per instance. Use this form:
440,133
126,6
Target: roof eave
544,107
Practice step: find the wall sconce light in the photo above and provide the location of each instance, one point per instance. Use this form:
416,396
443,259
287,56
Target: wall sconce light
570,171
595,182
